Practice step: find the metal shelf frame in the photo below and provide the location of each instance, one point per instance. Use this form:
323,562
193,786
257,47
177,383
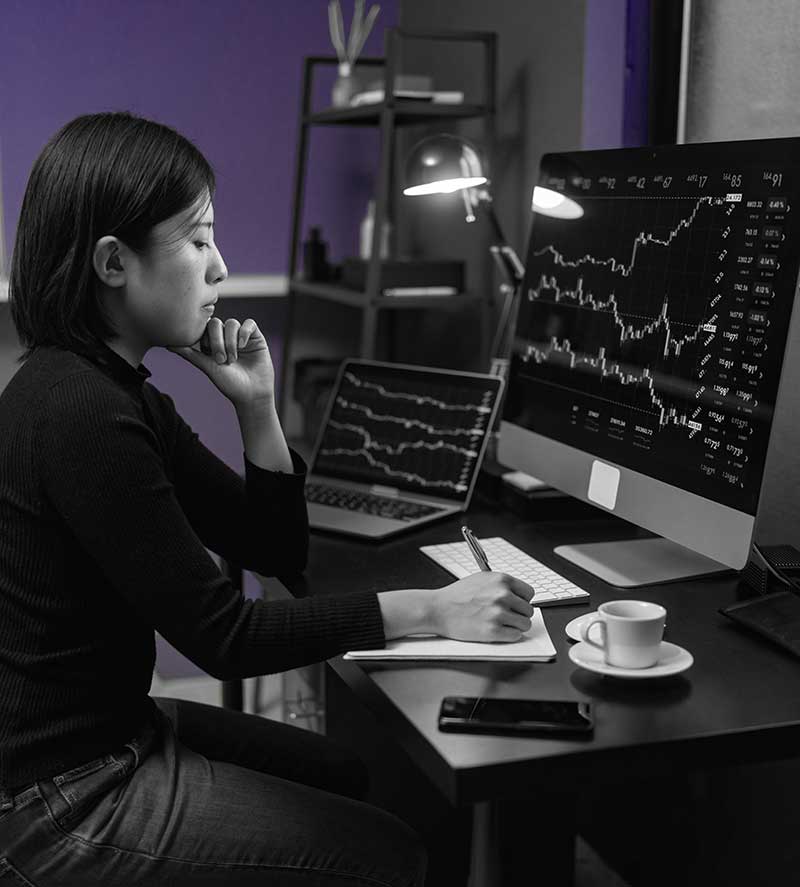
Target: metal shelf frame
388,115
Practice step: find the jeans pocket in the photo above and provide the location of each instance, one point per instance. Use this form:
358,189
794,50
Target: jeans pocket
12,876
83,770
84,787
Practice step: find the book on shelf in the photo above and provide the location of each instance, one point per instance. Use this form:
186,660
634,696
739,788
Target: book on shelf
437,97
420,291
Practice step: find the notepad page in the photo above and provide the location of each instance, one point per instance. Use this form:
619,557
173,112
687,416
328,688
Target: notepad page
534,646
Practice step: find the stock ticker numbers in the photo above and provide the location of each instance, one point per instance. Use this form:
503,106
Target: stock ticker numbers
648,323
404,437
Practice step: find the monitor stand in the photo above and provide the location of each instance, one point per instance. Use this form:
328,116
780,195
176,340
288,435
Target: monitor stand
632,562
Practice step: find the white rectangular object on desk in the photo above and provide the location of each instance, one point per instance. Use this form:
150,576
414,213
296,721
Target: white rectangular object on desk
534,646
550,588
524,482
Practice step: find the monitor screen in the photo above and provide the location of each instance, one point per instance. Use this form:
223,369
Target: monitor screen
651,330
417,429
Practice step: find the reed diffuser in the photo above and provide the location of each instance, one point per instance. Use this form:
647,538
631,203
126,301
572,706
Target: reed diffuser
347,51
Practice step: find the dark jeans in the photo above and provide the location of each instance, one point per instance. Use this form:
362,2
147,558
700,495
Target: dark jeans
208,796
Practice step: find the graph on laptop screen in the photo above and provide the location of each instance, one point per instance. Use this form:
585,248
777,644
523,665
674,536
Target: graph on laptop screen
417,430
650,340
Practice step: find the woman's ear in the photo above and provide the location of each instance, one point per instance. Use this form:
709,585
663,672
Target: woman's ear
108,261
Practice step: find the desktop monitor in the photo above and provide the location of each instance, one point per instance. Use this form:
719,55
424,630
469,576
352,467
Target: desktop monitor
649,344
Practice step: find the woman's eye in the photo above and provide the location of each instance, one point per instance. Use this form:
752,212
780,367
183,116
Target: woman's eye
200,244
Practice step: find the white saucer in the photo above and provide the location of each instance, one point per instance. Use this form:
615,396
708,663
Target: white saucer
671,660
573,628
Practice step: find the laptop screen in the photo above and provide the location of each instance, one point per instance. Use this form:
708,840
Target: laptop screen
419,429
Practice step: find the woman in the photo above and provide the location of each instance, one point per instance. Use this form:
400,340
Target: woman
108,504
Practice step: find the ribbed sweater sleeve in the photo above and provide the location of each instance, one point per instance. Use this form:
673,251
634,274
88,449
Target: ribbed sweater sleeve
146,505
261,524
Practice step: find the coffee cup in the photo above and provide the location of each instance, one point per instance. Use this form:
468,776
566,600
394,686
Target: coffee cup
630,632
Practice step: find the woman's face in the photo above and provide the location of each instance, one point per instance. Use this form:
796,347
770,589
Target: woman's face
171,287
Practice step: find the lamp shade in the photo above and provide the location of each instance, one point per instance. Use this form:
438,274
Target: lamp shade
442,164
553,203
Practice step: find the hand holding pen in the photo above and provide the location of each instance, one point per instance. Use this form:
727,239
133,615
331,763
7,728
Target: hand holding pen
486,606
479,554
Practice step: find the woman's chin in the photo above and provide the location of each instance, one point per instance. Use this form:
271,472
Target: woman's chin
187,341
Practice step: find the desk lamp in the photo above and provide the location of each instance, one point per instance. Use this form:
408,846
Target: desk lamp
443,164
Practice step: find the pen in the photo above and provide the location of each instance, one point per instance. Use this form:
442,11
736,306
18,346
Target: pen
477,552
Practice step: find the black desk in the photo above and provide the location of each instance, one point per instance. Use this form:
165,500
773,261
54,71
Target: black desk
738,703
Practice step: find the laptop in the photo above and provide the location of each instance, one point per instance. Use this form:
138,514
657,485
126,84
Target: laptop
399,446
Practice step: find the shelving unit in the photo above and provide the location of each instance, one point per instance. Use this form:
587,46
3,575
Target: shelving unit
388,116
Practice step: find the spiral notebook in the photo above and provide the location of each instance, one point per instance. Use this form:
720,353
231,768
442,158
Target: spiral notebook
534,646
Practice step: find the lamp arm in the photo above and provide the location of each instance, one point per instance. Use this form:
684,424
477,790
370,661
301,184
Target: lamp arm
509,264
512,270
504,254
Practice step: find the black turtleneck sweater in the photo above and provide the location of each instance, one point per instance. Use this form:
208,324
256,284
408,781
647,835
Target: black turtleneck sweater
108,504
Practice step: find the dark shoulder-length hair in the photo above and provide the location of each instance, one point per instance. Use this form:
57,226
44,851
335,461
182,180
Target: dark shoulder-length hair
102,174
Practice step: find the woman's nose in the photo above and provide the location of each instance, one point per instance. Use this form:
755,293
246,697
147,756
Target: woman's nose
217,270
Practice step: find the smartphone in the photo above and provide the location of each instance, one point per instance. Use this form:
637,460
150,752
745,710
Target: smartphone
470,714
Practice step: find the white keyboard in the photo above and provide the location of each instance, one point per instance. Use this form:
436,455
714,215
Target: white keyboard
551,589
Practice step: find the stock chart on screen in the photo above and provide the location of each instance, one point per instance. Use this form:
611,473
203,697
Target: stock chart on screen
418,430
651,329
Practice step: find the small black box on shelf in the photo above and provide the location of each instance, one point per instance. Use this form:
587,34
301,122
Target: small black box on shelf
401,273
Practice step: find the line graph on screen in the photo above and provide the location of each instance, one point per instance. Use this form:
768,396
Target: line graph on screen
418,433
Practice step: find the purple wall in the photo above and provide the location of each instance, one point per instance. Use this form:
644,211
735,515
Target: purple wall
616,73
603,73
228,76
637,74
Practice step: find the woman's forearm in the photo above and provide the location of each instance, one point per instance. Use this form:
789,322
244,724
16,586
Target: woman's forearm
263,439
406,611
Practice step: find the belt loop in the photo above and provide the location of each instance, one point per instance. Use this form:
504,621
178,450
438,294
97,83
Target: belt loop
58,805
6,800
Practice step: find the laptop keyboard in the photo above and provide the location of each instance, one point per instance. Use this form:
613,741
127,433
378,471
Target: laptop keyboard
367,503
550,588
